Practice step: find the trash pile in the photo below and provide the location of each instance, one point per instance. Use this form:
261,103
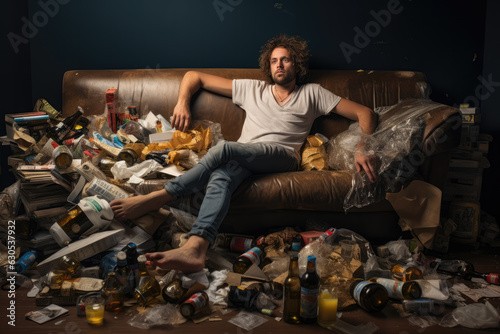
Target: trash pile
60,239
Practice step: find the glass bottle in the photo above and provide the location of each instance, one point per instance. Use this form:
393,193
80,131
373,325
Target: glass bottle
194,304
55,277
296,244
131,251
309,292
74,224
113,293
149,288
371,296
142,268
70,264
291,295
247,259
173,291
123,272
464,270
58,133
398,289
241,244
402,272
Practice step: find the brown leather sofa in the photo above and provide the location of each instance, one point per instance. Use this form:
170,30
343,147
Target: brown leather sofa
305,198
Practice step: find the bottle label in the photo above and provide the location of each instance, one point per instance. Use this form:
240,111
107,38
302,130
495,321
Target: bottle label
492,278
357,290
253,255
394,288
239,244
309,302
197,300
326,234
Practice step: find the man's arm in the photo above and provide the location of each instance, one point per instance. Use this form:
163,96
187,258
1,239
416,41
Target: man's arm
191,83
367,122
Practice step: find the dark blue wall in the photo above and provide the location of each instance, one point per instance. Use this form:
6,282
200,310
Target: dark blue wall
439,38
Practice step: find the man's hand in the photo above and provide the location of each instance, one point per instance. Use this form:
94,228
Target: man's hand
367,163
181,117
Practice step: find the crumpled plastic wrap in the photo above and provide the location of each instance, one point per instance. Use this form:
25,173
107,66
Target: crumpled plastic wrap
477,315
158,315
392,143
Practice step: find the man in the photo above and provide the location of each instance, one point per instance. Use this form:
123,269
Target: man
279,117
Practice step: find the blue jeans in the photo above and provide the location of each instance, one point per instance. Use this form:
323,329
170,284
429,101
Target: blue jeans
220,172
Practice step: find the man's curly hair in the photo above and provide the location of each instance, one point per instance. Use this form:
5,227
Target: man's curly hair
299,52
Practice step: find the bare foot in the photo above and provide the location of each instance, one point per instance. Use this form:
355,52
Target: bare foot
136,206
190,258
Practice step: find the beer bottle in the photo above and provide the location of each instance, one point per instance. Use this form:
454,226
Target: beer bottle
142,268
370,296
464,270
398,289
247,259
112,292
149,288
402,272
70,264
241,244
291,296
123,272
296,244
194,304
173,291
58,133
309,292
131,251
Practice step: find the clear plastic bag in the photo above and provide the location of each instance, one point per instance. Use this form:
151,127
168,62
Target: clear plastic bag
158,315
475,315
329,254
397,136
247,320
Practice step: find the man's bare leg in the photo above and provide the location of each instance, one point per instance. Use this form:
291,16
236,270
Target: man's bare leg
136,206
189,258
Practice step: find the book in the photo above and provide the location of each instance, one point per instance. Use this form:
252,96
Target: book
28,119
25,117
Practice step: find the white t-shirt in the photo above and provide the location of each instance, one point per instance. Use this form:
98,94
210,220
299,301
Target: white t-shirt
287,125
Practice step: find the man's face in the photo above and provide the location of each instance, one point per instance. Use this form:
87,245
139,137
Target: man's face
282,67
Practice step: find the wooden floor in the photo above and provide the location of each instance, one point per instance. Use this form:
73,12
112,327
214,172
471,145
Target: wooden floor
388,321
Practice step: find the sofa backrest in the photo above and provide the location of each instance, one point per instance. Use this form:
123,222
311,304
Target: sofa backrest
156,90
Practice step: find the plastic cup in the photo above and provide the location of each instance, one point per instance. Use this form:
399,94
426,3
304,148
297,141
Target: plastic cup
347,248
327,313
94,310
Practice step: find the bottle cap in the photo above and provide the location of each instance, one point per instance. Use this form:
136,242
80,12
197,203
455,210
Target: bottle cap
311,258
141,258
121,256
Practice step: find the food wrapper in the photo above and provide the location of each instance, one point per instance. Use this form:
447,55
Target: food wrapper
314,156
198,139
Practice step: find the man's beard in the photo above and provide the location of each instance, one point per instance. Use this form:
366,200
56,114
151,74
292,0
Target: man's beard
284,79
